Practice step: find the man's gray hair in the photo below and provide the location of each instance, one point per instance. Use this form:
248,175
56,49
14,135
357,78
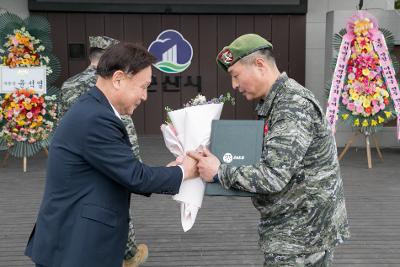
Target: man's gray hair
264,53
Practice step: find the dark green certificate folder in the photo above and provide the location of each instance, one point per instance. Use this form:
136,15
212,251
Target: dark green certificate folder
235,142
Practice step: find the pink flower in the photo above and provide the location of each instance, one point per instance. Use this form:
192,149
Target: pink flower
351,106
359,109
43,111
372,74
14,41
29,115
345,101
368,90
376,109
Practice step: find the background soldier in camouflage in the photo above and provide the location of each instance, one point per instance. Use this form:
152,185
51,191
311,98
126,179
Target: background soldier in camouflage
78,85
301,201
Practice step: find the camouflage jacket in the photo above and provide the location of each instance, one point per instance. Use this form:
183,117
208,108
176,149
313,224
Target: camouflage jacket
78,85
298,178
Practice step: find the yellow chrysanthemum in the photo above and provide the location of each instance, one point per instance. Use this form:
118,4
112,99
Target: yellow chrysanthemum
356,122
21,123
388,114
365,123
28,106
366,103
380,119
374,123
345,116
33,125
376,96
40,118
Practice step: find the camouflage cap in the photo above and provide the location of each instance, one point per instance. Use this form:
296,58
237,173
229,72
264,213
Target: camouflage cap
102,42
242,46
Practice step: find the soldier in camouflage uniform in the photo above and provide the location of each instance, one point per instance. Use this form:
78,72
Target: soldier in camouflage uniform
78,85
298,182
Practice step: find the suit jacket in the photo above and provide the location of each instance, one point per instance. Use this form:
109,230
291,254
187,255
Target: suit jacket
83,218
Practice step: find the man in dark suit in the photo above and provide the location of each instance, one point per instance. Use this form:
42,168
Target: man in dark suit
83,218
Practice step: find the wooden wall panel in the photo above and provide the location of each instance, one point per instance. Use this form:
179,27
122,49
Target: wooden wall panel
207,52
244,108
280,40
94,26
297,43
59,37
226,33
133,32
76,33
208,34
263,26
171,89
154,109
190,31
114,26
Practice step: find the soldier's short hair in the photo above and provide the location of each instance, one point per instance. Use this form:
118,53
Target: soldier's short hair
127,57
95,53
265,53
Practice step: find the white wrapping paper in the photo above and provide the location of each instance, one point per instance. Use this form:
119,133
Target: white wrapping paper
191,128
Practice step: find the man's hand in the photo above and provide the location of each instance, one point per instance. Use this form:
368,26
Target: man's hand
176,162
189,165
207,165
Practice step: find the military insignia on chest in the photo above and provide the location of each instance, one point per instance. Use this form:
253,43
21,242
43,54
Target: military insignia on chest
266,128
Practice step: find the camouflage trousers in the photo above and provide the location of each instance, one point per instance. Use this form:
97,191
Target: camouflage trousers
319,259
131,246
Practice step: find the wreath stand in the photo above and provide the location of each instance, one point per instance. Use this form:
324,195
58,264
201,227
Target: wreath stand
24,159
367,136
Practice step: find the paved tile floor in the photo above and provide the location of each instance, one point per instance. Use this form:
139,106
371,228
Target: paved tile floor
225,233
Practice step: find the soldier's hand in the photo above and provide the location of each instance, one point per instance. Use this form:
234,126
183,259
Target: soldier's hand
177,161
207,165
190,167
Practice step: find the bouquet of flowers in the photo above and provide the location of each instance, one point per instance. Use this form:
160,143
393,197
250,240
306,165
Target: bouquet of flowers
364,78
26,117
186,129
24,50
